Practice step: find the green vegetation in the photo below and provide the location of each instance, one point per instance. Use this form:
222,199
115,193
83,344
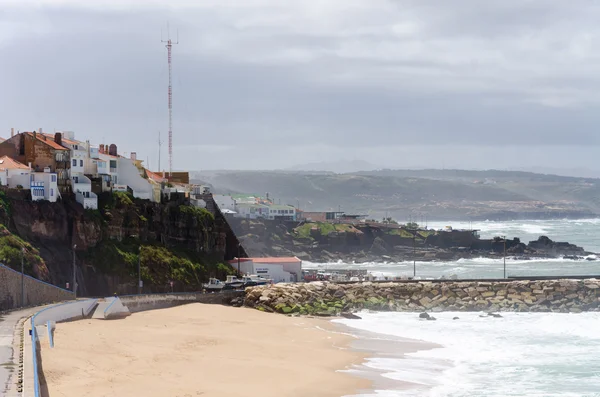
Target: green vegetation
201,214
5,204
11,253
158,265
123,199
324,228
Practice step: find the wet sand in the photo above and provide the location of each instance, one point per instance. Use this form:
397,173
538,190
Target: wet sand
201,350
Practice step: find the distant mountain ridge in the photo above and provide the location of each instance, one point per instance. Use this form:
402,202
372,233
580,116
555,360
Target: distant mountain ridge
436,194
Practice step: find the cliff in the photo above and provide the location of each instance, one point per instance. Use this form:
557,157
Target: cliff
174,242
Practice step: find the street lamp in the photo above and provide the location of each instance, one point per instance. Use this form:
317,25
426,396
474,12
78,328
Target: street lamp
23,277
238,258
504,239
74,272
139,273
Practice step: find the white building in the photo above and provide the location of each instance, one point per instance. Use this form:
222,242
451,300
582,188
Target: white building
251,211
81,164
286,212
13,173
225,202
44,186
129,174
280,270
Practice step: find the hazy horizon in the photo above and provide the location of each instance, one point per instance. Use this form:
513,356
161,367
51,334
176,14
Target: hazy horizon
262,84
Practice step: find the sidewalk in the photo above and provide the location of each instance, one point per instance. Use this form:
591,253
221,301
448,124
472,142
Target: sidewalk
9,366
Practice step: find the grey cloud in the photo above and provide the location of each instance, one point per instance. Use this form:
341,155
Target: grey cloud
293,84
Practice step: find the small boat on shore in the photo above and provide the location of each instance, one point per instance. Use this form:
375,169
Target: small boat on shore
214,284
234,282
254,279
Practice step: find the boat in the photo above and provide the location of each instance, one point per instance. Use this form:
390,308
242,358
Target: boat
253,280
234,282
214,284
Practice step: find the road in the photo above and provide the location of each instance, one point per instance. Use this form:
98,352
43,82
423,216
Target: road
8,367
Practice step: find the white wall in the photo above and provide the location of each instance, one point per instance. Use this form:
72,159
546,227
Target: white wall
130,175
66,311
50,186
16,179
272,271
224,202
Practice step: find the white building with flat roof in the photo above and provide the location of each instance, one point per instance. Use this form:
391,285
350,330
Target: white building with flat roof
280,270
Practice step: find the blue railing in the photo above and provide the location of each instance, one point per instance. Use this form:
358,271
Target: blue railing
35,339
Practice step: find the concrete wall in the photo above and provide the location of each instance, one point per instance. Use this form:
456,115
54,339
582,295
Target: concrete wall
65,312
36,292
138,303
129,175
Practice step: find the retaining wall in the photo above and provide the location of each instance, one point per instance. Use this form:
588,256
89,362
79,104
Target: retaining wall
138,303
36,292
324,298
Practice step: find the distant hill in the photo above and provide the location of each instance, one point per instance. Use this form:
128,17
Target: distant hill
436,194
338,167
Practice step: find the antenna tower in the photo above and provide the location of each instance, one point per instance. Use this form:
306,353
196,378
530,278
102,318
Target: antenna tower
169,45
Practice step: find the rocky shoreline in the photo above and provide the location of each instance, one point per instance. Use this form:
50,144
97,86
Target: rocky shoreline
360,243
332,299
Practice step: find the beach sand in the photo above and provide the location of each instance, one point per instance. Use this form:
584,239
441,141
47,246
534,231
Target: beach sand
200,350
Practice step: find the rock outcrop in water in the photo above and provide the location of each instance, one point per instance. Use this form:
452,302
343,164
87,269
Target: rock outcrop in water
328,299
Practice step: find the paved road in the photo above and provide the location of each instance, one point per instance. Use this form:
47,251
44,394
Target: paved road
8,323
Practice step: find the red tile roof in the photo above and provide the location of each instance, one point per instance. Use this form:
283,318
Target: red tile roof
65,140
47,141
7,163
154,176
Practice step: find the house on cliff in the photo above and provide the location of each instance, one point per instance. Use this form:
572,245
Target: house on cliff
43,185
40,153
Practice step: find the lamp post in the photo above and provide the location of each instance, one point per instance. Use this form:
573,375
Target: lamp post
139,272
414,254
238,258
23,277
74,272
504,239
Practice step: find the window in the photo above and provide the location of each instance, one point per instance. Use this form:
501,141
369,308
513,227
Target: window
52,178
74,162
51,192
81,163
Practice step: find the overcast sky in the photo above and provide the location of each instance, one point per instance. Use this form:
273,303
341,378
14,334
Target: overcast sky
275,83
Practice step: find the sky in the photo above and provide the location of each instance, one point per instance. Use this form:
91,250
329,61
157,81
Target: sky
271,84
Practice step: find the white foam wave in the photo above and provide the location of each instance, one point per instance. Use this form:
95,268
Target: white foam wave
534,353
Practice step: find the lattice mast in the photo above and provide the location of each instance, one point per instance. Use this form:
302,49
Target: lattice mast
170,94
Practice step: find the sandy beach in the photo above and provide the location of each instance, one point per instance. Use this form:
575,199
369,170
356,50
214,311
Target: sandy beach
200,350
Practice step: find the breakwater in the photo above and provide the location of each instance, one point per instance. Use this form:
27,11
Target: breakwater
329,299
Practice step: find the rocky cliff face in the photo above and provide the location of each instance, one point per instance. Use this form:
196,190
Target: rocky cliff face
108,241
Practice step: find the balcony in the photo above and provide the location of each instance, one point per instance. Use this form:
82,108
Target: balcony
113,170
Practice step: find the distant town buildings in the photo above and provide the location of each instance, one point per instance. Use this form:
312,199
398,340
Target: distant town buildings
253,207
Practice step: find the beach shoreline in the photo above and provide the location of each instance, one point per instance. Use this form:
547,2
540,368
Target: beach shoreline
207,350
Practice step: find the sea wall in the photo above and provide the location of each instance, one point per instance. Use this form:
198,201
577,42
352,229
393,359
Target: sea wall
138,303
323,298
36,292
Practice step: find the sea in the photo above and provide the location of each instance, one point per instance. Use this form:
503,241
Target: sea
519,354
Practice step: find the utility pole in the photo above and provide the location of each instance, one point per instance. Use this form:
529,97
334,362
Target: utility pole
414,254
74,272
170,95
139,273
23,277
238,258
504,237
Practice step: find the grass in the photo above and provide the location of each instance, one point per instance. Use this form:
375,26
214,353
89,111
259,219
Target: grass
11,254
324,228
